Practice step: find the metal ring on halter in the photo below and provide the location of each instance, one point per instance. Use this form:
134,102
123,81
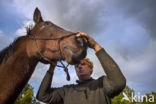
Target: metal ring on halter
58,49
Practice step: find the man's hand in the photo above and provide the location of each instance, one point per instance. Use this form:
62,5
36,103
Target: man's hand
91,42
52,66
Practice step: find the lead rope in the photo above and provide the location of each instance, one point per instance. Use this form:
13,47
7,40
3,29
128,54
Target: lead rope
47,59
65,67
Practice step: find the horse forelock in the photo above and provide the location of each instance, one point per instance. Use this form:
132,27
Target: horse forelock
29,28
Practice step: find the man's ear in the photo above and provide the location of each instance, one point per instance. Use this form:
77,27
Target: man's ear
37,16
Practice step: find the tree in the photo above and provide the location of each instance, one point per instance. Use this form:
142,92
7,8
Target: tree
27,96
119,99
140,99
151,98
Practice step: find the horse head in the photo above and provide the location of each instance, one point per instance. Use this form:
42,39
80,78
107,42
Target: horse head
53,42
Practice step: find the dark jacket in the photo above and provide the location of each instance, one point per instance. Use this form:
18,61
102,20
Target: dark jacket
92,91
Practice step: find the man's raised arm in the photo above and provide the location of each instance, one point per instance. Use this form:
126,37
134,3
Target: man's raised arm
114,81
48,94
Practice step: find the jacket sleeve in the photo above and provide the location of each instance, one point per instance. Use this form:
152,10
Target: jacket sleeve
47,94
114,81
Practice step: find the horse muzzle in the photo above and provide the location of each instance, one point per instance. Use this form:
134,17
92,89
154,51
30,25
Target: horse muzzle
74,55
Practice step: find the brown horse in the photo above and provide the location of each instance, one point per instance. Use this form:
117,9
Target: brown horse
18,60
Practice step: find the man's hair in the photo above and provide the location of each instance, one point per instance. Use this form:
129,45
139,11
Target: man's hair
88,62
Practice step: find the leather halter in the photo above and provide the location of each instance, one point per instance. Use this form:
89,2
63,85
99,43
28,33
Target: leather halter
58,50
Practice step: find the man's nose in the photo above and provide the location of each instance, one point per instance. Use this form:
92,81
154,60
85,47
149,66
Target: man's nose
79,67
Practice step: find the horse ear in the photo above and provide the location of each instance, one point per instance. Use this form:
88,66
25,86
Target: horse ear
37,16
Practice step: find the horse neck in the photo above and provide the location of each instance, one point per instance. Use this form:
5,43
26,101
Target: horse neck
15,73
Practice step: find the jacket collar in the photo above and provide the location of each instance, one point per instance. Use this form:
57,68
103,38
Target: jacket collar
85,81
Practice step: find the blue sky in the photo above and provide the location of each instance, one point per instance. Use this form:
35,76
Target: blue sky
124,28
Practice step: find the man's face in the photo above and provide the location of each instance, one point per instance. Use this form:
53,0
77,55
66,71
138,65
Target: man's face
82,69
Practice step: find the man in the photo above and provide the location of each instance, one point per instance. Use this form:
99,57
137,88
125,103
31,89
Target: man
87,90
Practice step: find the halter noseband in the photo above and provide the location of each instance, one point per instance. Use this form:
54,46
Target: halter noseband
58,50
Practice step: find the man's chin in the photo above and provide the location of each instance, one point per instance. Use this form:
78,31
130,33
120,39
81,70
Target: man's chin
82,75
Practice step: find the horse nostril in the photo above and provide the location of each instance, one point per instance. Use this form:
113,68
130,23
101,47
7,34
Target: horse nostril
79,41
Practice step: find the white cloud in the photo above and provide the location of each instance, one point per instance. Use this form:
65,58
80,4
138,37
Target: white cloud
22,31
139,69
59,78
73,15
39,72
143,11
98,70
25,7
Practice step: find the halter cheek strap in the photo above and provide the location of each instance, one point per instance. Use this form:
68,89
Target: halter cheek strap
58,50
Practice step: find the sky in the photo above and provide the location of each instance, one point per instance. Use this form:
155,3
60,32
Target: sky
124,28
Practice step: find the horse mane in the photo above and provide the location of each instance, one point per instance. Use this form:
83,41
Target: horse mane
9,50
